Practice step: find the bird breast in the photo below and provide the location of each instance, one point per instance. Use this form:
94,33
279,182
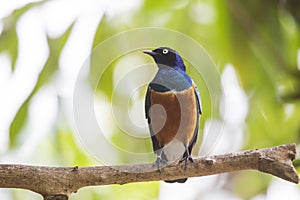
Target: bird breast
173,115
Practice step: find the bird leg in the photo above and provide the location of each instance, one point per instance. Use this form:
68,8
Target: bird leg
158,163
186,157
158,160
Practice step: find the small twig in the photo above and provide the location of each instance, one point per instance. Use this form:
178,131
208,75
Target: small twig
59,182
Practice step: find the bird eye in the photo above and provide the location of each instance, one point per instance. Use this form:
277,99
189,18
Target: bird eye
165,51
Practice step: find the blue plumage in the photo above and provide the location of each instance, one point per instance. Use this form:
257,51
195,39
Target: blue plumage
179,62
172,79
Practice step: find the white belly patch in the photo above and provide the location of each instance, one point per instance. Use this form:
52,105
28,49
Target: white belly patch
174,150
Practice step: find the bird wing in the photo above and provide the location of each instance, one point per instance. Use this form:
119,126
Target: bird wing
197,94
199,112
147,104
155,143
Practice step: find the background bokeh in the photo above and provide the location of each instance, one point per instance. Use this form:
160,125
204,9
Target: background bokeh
256,49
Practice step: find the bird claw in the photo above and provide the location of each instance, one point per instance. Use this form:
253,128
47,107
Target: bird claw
160,163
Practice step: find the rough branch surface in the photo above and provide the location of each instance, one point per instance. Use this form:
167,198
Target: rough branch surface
59,182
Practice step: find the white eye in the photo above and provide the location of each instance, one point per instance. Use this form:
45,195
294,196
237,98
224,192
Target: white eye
165,51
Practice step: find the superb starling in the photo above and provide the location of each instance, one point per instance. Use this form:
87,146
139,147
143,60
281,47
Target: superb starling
172,108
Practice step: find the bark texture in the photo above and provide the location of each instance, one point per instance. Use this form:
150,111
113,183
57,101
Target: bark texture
57,183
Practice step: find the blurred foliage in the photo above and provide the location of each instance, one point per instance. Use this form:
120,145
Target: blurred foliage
258,182
9,39
51,66
261,40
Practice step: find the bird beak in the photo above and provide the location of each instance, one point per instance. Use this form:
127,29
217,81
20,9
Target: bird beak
149,52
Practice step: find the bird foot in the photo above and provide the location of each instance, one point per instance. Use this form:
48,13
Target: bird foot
186,159
159,162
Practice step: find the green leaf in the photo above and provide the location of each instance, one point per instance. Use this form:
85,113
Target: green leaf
51,66
17,124
9,38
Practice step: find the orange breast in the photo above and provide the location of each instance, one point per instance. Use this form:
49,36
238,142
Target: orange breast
173,115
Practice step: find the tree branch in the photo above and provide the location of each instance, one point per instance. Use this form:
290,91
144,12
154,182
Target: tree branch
57,183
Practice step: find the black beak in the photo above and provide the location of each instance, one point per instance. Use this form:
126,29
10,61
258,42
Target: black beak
149,52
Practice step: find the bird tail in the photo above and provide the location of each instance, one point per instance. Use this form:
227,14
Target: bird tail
165,160
182,180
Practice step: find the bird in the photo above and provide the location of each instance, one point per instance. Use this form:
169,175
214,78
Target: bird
172,109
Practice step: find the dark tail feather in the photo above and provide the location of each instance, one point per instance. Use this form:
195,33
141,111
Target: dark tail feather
183,180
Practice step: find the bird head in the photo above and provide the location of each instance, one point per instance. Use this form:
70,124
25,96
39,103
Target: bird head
166,57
